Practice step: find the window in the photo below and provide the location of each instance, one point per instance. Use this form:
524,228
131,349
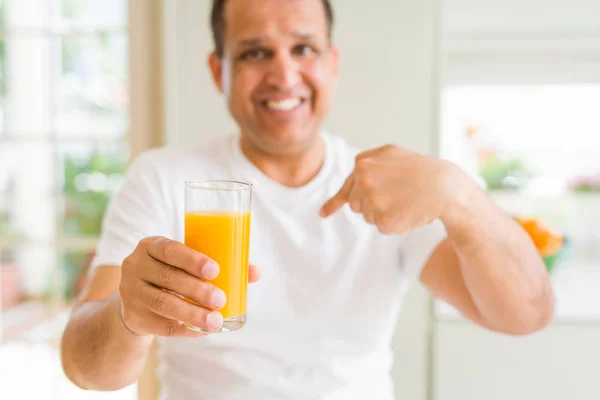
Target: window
536,148
549,134
64,127
520,113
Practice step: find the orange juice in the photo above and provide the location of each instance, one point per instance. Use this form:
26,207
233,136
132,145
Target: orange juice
224,237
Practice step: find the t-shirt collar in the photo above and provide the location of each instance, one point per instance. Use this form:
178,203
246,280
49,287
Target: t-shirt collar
262,182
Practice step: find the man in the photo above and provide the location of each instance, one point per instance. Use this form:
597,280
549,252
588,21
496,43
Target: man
333,276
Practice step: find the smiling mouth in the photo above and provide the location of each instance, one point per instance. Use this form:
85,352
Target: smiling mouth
283,105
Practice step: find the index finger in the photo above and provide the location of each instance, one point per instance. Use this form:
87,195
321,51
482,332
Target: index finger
340,198
181,256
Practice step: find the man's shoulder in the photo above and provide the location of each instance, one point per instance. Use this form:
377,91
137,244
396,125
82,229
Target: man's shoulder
344,152
209,151
340,143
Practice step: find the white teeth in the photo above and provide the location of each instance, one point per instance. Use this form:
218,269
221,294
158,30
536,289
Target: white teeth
284,105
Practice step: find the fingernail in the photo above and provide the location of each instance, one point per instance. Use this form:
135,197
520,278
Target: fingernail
322,212
218,298
214,320
210,270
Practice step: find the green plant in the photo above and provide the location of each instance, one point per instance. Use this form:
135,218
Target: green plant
8,231
74,269
85,202
504,174
85,205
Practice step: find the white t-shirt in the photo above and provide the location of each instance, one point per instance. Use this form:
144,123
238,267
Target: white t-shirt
320,321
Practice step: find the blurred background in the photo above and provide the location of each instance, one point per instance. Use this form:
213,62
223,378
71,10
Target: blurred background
509,90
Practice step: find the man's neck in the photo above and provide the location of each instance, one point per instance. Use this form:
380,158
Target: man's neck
289,170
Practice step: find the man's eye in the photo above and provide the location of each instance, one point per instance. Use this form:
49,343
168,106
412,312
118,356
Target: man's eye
254,55
303,50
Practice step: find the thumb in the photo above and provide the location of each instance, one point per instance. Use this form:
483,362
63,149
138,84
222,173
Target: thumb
340,198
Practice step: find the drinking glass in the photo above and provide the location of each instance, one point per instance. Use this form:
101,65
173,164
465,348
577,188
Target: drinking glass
217,224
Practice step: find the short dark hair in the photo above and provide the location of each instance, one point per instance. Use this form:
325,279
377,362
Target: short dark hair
217,21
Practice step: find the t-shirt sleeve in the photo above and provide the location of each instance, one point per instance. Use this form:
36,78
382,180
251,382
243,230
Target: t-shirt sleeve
419,245
137,210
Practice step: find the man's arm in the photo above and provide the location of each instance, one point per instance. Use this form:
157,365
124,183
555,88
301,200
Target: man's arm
489,268
98,351
143,292
106,341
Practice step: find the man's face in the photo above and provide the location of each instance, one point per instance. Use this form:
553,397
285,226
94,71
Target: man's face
277,72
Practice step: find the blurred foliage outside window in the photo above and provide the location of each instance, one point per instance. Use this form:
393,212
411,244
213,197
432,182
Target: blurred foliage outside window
89,136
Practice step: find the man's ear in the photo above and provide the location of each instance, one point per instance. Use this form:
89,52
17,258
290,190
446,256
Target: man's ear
216,69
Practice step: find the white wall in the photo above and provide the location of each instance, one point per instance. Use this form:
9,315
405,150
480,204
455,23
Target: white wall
194,111
556,364
387,93
514,41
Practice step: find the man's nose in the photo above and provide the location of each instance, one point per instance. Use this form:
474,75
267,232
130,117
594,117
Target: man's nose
284,72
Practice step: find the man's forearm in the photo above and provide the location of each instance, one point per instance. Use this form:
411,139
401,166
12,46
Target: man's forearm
98,352
501,267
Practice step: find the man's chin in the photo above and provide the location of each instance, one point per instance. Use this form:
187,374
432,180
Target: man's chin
287,142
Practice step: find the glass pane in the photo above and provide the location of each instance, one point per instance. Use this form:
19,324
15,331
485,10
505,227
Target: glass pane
2,16
26,15
27,201
90,174
74,266
2,80
27,282
92,92
28,82
94,13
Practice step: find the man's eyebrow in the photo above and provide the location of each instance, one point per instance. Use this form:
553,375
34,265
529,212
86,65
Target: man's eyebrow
304,36
252,42
261,40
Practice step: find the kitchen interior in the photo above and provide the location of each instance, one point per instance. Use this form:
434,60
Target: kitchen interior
509,90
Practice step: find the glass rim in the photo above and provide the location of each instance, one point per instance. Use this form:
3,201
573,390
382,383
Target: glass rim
211,184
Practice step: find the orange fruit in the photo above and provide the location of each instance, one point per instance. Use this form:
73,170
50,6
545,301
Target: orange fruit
547,240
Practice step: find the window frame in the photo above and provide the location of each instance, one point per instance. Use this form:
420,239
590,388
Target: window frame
143,31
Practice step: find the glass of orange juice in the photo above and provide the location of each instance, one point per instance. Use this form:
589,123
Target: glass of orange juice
217,224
